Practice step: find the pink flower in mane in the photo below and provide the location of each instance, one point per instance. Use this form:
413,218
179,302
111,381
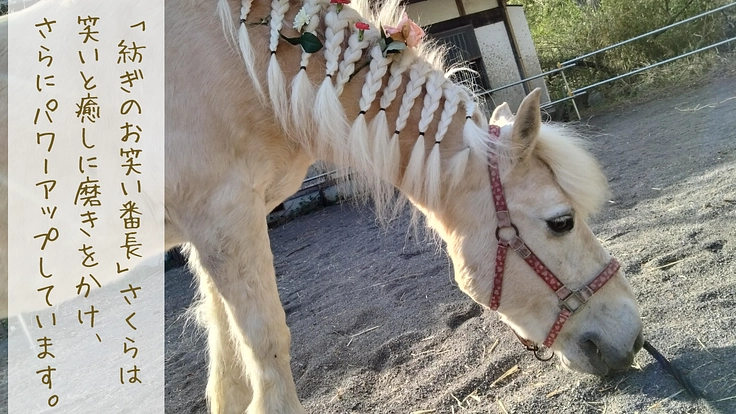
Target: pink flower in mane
339,3
362,27
406,31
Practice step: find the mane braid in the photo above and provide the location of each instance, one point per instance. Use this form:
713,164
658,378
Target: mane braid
359,133
460,160
435,80
331,121
433,168
226,19
353,53
452,101
413,174
356,146
476,136
386,149
276,81
246,50
302,90
324,129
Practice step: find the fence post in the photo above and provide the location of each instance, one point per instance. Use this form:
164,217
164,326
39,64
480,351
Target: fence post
569,91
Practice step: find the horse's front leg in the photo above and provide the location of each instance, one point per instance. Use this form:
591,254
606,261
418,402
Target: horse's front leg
228,387
234,255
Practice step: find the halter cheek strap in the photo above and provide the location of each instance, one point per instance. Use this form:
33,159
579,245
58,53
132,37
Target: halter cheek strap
570,300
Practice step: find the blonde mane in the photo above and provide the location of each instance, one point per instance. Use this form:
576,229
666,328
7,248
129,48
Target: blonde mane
371,146
368,143
575,170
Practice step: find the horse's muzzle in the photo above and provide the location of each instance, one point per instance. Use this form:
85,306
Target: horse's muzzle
605,359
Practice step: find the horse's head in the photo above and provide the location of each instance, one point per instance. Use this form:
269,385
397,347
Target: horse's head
551,186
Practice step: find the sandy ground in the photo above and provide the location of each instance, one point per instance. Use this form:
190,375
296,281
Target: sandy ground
379,326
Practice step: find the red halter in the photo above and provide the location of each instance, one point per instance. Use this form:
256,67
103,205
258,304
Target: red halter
570,300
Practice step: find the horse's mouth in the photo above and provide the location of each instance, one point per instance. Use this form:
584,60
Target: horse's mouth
593,365
601,363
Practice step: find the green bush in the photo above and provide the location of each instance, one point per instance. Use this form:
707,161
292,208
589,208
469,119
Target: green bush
565,29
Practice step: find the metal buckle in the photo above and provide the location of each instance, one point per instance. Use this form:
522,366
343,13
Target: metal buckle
574,301
518,245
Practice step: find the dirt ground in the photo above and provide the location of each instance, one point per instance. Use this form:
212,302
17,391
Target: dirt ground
379,326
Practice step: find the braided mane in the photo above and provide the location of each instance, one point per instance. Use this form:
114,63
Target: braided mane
370,145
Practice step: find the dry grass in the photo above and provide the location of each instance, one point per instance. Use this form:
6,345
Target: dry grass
668,265
361,333
433,352
501,406
733,397
505,375
556,392
658,403
698,107
464,404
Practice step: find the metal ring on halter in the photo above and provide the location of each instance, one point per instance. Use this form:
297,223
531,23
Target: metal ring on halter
498,229
536,355
531,347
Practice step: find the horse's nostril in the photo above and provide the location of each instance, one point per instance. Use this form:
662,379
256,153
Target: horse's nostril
593,355
590,348
589,341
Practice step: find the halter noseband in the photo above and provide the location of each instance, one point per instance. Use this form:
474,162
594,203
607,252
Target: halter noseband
570,300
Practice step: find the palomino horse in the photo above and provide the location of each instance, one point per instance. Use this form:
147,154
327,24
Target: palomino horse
247,114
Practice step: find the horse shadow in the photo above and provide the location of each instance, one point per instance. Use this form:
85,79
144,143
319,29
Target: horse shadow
711,371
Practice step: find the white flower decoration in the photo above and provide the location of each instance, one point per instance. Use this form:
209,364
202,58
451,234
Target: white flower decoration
301,19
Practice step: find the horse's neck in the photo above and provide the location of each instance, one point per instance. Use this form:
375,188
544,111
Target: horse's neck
405,126
397,119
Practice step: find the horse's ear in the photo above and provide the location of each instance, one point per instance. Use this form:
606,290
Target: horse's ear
501,115
526,125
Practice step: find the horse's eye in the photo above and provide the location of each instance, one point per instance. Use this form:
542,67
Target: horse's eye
562,224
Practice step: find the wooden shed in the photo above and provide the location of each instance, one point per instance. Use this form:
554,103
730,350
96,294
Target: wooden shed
491,36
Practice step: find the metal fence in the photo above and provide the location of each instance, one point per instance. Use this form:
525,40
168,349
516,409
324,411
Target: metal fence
574,93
